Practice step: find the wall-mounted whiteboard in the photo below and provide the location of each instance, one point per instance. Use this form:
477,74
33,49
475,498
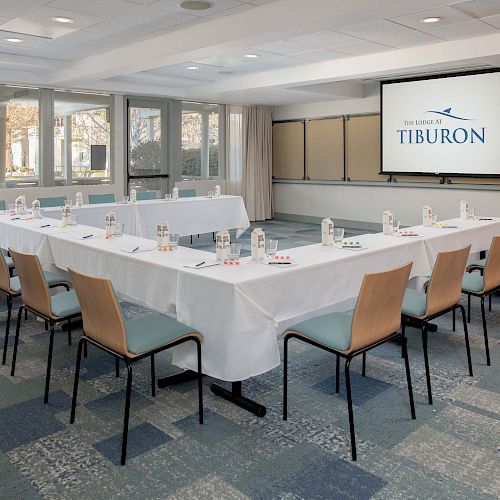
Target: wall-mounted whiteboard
446,125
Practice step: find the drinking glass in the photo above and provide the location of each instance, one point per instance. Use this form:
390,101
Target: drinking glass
395,225
168,197
271,247
68,203
12,208
338,236
118,230
174,242
434,219
74,220
210,194
125,199
234,251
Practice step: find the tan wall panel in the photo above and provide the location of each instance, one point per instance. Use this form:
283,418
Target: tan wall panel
325,149
417,179
363,148
288,150
475,180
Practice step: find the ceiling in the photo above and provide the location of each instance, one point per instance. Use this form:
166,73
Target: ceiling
304,51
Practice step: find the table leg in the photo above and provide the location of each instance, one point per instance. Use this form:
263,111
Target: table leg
179,378
235,396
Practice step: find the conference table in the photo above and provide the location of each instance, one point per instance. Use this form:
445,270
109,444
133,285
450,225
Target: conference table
186,216
240,309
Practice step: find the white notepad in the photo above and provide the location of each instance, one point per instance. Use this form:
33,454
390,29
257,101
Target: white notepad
137,249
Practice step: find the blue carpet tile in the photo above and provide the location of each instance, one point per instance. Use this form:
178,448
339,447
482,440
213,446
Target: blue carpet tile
450,451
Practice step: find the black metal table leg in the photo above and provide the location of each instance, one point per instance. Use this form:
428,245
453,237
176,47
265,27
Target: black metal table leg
235,396
179,378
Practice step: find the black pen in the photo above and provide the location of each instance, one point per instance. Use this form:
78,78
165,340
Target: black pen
278,263
200,264
88,236
135,249
46,225
15,218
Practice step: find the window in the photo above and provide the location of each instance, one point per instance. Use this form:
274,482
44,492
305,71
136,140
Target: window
200,140
19,137
82,138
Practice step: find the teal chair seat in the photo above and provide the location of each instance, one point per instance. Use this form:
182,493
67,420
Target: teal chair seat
145,195
147,333
65,304
56,201
473,282
187,193
9,261
101,198
332,330
414,303
478,263
51,279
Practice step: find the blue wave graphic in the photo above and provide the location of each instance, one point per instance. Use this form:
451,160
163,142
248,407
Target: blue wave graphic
447,113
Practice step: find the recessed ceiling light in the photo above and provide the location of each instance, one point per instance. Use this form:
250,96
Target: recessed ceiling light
251,56
430,20
195,5
193,68
65,20
13,40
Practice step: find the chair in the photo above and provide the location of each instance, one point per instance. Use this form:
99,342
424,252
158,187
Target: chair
375,320
187,193
36,298
484,284
443,295
8,260
101,198
56,201
145,195
477,266
2,205
130,341
11,288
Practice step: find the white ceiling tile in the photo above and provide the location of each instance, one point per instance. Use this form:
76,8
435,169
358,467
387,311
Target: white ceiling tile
44,16
280,47
17,8
99,8
466,29
323,39
479,8
320,55
373,30
492,21
237,59
362,48
28,41
36,28
220,6
410,40
447,14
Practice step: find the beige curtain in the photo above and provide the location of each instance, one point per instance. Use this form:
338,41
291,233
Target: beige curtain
257,154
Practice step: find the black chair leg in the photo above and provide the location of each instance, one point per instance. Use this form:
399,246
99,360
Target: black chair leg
485,332
468,308
349,406
489,301
127,414
364,365
7,329
117,367
337,374
408,377
25,314
200,386
454,320
426,360
69,332
191,239
77,378
46,325
285,379
49,364
403,335
466,333
153,376
16,342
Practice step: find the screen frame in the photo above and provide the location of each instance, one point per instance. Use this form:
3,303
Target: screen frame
417,79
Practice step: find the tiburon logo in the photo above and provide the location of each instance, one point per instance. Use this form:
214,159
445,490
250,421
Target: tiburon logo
436,131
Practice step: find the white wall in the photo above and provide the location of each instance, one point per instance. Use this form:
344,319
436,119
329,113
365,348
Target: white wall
366,203
118,187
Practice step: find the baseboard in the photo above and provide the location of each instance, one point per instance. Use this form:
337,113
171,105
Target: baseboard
311,219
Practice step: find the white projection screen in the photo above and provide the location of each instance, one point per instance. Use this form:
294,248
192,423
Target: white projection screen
446,125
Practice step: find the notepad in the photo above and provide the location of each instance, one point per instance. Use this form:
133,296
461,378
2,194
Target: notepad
137,249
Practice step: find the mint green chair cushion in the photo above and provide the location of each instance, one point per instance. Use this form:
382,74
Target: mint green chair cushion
151,331
187,193
332,330
64,304
101,198
57,201
479,263
8,261
414,303
473,282
51,279
146,195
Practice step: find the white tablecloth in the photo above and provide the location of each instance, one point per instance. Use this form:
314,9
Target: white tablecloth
186,216
242,309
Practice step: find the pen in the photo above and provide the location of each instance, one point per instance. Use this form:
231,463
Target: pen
449,227
135,249
278,263
88,236
200,264
46,225
15,218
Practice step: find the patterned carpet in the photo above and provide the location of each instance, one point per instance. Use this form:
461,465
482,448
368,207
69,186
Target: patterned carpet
451,451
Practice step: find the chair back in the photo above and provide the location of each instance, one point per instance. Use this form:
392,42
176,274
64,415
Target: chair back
4,273
56,201
101,198
146,195
2,205
34,289
378,309
492,267
445,286
102,318
187,193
